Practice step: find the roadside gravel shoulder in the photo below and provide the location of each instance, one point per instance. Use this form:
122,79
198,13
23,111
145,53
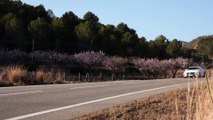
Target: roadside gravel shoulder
170,105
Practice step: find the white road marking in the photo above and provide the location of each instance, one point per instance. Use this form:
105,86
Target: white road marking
19,93
92,86
89,102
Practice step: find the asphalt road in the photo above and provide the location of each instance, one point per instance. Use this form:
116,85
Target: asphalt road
68,101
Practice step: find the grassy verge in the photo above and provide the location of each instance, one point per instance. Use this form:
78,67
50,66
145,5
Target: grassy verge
156,107
192,103
18,75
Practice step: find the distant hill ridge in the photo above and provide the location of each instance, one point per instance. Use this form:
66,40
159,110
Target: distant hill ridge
197,42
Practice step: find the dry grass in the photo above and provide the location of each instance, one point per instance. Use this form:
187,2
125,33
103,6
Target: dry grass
1,76
3,82
48,77
192,103
39,76
160,107
16,74
204,99
42,76
59,78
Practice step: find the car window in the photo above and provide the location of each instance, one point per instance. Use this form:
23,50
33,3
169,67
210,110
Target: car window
193,68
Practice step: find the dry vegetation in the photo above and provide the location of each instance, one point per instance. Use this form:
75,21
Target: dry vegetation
18,75
161,107
192,103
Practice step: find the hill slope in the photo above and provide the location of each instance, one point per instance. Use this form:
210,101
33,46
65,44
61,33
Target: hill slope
203,44
194,44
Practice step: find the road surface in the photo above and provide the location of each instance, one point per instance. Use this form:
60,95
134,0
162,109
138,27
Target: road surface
68,101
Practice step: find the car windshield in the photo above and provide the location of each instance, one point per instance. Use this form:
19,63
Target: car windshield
193,68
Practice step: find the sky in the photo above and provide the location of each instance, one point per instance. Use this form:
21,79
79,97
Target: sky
175,19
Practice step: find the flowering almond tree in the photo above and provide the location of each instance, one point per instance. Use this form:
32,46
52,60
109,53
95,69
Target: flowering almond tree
116,64
140,65
90,60
157,68
177,64
13,57
147,67
153,67
164,67
43,57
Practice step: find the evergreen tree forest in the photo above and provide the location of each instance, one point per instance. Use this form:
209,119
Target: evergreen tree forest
28,28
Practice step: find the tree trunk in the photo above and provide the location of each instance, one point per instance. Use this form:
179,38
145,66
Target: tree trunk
87,77
100,77
123,77
174,73
79,77
113,75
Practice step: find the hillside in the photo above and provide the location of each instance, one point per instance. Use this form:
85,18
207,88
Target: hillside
203,45
194,44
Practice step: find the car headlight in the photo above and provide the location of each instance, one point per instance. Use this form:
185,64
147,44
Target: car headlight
197,73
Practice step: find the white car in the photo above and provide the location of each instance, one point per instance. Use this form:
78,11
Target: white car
194,71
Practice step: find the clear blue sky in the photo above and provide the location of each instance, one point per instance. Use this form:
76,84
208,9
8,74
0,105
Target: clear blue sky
181,19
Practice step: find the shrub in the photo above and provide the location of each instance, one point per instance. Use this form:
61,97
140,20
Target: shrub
39,76
16,74
48,78
90,59
3,81
59,77
116,64
150,67
1,78
13,56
